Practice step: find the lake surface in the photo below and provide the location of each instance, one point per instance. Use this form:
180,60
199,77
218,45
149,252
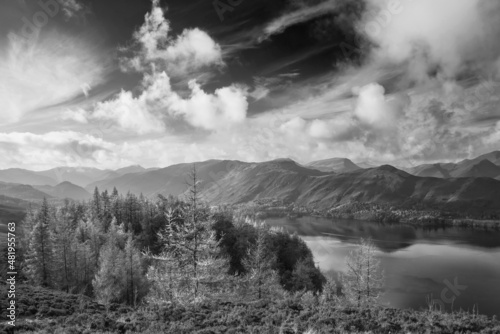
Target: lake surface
448,264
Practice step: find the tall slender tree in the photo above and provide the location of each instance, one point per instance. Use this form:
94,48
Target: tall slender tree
40,257
191,256
262,280
363,281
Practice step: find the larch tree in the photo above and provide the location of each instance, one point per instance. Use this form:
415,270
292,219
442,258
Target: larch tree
63,237
191,257
261,279
109,281
135,284
40,257
363,282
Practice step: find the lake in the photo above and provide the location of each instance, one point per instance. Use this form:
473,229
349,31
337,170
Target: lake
458,267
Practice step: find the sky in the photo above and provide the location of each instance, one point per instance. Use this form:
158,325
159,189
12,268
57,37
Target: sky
111,83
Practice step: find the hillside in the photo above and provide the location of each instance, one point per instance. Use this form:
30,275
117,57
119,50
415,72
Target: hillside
22,176
167,181
234,182
65,190
338,165
42,310
22,191
487,165
80,176
11,210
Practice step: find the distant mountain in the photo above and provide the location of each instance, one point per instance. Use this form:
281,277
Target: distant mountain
66,190
80,176
22,176
170,180
338,165
483,168
487,165
130,169
22,191
236,182
366,164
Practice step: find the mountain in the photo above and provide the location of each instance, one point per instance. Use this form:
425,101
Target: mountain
80,176
22,191
130,169
22,176
66,190
235,182
483,168
338,165
487,165
170,180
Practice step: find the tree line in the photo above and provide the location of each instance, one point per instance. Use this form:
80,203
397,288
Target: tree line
132,249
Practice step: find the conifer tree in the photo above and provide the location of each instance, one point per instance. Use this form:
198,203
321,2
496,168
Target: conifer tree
135,283
96,204
40,258
63,240
262,280
109,282
363,281
191,256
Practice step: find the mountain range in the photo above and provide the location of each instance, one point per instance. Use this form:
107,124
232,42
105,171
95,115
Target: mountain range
320,184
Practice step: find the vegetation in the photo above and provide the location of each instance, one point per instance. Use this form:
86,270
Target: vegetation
46,311
118,264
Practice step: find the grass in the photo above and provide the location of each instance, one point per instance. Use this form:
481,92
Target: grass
46,311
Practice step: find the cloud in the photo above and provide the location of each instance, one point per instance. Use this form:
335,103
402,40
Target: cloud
50,71
154,47
158,104
73,8
57,148
303,14
445,36
374,109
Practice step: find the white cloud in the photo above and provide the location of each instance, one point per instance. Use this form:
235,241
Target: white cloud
73,8
302,15
158,103
58,148
191,51
374,109
50,71
446,35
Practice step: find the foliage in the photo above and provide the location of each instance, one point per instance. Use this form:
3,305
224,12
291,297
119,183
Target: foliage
47,311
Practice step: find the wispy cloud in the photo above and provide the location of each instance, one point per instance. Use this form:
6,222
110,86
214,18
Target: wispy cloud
49,71
304,14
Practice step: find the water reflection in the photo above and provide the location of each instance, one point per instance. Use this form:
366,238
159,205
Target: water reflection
418,262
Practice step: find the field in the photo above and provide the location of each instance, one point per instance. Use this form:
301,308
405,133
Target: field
46,311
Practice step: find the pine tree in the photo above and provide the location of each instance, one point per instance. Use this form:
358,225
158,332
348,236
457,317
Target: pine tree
40,258
363,281
261,279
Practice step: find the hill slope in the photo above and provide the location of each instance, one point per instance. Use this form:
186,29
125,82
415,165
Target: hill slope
22,176
338,165
65,190
235,182
22,191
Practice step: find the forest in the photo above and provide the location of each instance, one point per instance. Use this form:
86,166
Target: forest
118,257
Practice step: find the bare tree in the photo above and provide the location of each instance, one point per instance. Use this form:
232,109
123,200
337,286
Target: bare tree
363,281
